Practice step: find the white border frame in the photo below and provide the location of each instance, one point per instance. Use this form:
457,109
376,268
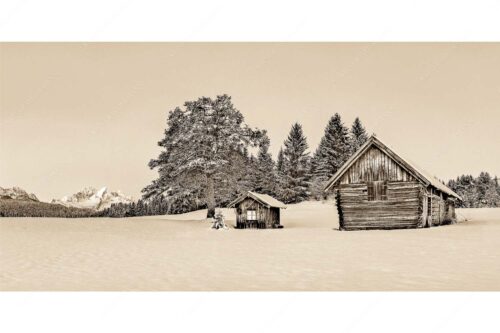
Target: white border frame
259,20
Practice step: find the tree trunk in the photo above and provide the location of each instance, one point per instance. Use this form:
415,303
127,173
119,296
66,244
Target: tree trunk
210,197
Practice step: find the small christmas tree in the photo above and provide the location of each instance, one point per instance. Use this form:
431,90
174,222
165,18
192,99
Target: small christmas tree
219,221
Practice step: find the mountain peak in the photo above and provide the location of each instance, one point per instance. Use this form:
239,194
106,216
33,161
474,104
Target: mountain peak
92,198
16,193
100,194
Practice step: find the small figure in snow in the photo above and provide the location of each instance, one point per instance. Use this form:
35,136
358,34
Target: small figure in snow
218,221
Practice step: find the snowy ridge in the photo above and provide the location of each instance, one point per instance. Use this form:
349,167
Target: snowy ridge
92,198
16,193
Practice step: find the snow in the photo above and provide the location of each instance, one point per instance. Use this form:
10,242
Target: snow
263,198
181,252
101,192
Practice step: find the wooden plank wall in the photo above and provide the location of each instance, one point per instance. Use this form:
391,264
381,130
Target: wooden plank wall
425,208
450,215
274,218
402,209
269,215
375,165
438,210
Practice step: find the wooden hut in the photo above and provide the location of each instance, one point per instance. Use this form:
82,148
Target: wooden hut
255,210
378,189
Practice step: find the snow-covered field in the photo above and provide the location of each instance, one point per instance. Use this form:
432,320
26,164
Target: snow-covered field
181,253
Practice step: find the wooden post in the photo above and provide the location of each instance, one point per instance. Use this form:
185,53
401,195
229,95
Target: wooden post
429,224
269,216
339,208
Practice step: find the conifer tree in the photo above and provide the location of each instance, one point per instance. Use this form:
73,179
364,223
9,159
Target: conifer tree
198,144
280,166
295,178
334,149
358,135
486,190
476,192
265,180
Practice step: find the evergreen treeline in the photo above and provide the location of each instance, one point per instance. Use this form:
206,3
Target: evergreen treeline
482,191
28,208
158,205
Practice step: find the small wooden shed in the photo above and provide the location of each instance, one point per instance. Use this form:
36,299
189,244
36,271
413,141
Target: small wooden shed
259,211
378,189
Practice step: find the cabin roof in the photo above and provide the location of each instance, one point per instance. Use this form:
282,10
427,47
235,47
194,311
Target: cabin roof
410,167
264,199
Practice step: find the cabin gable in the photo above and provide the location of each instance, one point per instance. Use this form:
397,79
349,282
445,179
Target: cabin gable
375,165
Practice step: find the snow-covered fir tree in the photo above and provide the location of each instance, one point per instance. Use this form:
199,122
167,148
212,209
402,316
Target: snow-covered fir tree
358,135
266,175
242,177
482,191
294,182
280,162
199,144
333,150
280,173
486,190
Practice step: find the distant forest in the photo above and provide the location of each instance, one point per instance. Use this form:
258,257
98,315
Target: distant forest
479,192
28,208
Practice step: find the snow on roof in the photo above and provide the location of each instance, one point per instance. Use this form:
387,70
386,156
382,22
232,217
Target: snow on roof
420,174
436,183
262,198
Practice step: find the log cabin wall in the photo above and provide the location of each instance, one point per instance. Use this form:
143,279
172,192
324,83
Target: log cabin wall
401,209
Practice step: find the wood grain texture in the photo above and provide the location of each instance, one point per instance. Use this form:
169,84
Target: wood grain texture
267,217
375,165
402,209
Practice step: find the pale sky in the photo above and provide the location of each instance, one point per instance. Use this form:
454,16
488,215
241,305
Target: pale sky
90,114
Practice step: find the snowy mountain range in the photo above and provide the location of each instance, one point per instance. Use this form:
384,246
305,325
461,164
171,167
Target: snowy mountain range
17,193
92,198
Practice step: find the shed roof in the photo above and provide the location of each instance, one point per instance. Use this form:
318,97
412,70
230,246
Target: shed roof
264,199
410,167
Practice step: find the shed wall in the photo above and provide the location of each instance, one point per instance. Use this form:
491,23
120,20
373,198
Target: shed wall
270,216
